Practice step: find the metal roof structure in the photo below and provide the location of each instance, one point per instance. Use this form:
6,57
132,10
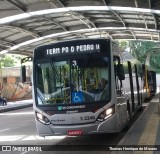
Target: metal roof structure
26,24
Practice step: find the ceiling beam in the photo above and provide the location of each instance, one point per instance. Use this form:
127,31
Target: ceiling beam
145,23
124,24
120,18
8,43
17,5
50,40
114,12
22,52
151,36
82,18
155,21
4,46
154,17
106,2
20,29
133,34
150,4
63,27
56,3
106,35
80,35
136,3
55,22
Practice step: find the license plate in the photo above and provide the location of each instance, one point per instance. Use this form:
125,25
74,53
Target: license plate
74,132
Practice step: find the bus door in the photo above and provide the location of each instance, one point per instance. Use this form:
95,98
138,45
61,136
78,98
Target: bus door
131,85
138,87
120,93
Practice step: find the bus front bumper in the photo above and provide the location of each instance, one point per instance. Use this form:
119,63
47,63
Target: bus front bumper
108,126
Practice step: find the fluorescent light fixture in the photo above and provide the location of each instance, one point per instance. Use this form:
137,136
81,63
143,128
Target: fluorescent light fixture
4,51
71,9
49,11
76,31
26,43
14,18
75,9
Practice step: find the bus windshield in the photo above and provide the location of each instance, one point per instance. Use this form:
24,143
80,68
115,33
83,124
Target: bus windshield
78,80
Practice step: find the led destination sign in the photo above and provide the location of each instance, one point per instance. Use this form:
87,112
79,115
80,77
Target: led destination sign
73,49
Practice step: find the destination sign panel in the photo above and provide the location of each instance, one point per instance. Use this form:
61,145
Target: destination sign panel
73,49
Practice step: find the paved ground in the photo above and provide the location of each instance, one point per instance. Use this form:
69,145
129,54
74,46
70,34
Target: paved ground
145,132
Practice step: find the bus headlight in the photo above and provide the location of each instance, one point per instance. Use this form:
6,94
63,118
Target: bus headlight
106,113
41,118
109,111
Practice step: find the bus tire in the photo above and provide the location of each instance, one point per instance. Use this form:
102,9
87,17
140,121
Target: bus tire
126,128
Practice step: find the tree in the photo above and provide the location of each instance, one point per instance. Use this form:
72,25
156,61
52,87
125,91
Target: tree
7,61
10,60
140,49
123,44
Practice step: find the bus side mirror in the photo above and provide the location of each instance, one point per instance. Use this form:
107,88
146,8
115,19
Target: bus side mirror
23,73
120,72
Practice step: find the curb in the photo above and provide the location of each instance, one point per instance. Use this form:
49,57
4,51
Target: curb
15,108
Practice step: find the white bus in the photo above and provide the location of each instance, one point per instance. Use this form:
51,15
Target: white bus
84,87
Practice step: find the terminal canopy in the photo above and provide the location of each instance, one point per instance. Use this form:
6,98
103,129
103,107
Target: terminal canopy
24,25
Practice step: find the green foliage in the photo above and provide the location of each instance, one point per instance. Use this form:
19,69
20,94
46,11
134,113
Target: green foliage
140,49
9,60
123,44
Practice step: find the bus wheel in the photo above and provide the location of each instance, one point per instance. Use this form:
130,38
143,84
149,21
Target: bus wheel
128,118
